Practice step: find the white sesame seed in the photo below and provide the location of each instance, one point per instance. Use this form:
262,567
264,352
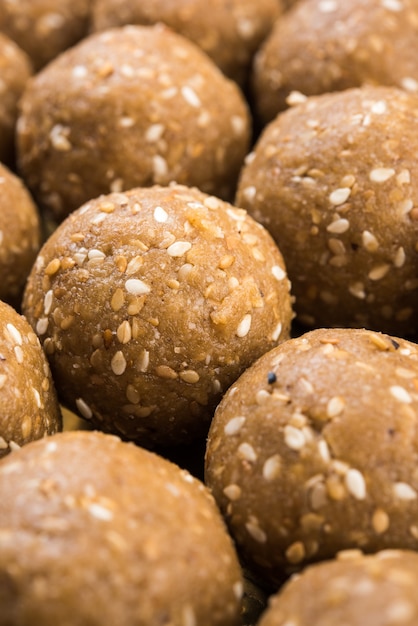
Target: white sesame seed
379,107
159,165
339,196
15,335
338,226
136,287
400,394
247,452
234,425
294,437
335,406
100,512
262,396
403,491
246,28
134,265
355,483
238,124
404,177
238,589
48,301
272,467
18,354
179,248
37,398
405,206
323,450
277,331
79,71
400,257
278,272
369,241
249,193
244,326
256,532
190,96
379,272
295,97
42,325
154,133
96,255
232,492
381,174
126,122
327,6
124,332
160,215
392,5
118,363
143,361
59,138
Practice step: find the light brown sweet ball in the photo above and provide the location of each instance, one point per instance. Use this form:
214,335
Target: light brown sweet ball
330,45
29,407
96,531
378,590
15,70
150,303
44,28
230,32
335,180
313,450
129,107
20,236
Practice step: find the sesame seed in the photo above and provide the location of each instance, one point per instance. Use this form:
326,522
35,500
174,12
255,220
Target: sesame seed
339,196
256,532
154,133
244,326
278,272
381,174
369,241
59,138
232,492
262,396
190,96
178,248
189,376
379,107
15,335
3,444
295,97
379,272
247,452
143,361
52,267
134,264
3,379
118,363
392,5
126,122
399,258
238,124
294,437
335,406
42,325
160,215
100,512
272,467
403,491
249,193
124,332
338,226
165,371
117,300
277,331
132,394
400,394
380,521
13,446
18,354
355,483
295,553
323,450
409,83
96,255
136,287
48,301
79,71
160,167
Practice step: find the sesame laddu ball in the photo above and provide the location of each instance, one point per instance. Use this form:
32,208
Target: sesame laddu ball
130,107
313,450
150,303
15,70
29,407
330,45
44,28
20,236
354,589
230,32
105,532
335,180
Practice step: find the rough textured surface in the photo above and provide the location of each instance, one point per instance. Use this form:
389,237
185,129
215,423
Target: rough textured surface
44,28
378,590
28,403
104,532
329,45
130,107
230,32
15,70
335,181
149,304
313,450
20,236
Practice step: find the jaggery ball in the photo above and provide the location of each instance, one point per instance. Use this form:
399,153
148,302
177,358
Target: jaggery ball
150,303
96,531
330,45
313,450
29,407
230,32
335,180
132,106
20,236
355,589
15,70
44,28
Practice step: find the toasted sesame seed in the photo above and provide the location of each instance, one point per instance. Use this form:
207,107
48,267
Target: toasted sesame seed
369,241
355,483
232,492
59,138
380,521
132,394
136,287
400,394
190,96
400,257
294,437
118,363
323,450
15,335
256,532
124,332
154,133
272,467
165,371
335,406
403,491
160,215
338,226
262,396
339,196
247,452
52,267
42,325
295,553
381,174
189,376
278,272
379,271
244,326
178,248
117,300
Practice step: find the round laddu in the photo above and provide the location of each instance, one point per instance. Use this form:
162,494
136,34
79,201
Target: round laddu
354,589
132,106
104,532
15,70
20,236
230,33
29,406
313,450
335,180
149,304
44,28
331,45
